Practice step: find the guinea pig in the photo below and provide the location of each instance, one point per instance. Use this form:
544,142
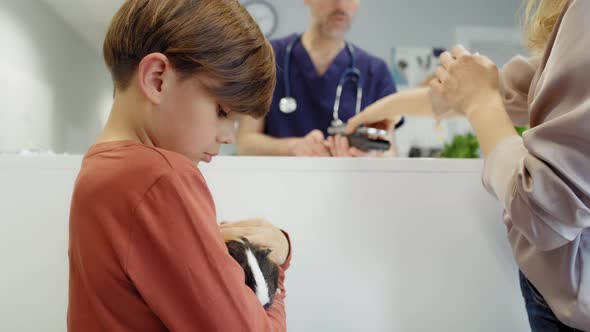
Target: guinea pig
262,274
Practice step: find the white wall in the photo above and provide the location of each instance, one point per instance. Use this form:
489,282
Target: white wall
382,24
54,88
378,245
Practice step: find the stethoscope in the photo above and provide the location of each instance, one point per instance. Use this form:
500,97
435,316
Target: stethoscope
288,104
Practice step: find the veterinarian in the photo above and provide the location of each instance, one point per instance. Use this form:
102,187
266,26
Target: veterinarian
319,74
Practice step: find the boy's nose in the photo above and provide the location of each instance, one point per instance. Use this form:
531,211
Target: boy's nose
228,133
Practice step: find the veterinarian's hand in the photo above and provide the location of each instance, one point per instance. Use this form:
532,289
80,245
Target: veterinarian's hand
339,147
259,232
312,145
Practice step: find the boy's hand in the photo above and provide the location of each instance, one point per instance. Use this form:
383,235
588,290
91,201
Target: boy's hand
259,232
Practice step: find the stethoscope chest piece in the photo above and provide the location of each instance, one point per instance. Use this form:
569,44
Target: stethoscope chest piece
288,105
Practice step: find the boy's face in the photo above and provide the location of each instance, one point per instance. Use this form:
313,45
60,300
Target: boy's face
190,121
334,17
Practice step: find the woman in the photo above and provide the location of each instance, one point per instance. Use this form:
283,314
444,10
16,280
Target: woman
542,179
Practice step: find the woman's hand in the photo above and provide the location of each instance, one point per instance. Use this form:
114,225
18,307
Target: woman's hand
377,115
465,81
259,232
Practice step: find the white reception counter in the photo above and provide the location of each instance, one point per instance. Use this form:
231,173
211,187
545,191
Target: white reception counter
378,245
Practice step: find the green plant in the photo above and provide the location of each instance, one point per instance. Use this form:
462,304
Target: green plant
462,146
521,130
466,146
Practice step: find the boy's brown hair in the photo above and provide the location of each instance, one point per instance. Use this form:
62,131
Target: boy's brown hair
216,38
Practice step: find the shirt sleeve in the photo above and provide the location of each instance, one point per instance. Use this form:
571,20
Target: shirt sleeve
515,80
181,267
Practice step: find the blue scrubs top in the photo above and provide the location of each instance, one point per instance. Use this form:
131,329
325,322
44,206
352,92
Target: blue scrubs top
315,94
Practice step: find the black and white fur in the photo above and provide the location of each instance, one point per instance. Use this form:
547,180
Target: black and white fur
262,274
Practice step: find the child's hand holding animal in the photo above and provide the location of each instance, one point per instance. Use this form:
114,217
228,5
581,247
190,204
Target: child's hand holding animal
261,233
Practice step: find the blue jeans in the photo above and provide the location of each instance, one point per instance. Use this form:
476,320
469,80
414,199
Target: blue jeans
541,317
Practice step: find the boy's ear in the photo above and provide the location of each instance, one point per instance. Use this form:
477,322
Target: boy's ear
153,70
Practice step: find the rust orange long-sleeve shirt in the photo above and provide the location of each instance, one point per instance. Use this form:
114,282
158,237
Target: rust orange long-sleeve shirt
146,253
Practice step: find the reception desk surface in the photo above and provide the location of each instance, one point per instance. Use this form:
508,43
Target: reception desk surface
378,245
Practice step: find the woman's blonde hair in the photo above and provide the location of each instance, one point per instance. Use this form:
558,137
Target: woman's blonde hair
540,18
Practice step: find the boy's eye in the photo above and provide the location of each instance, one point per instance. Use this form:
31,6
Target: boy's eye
221,113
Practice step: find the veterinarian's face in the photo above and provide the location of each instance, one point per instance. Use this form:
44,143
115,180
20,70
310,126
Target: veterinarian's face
192,122
333,17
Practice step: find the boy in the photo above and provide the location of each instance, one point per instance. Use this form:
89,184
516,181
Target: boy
146,253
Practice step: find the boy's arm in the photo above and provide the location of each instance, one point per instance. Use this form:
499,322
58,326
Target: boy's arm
181,267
